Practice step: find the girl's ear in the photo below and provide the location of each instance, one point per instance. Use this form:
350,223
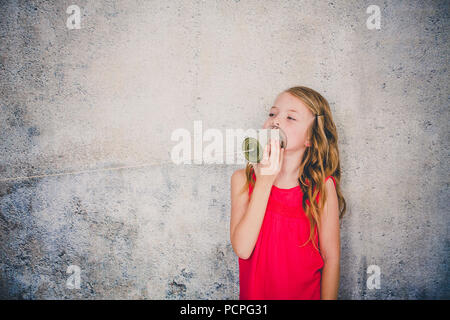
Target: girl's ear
307,143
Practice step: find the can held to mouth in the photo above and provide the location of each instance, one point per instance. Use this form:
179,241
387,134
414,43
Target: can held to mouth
254,143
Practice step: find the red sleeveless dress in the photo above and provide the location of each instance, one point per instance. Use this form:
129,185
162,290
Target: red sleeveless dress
278,268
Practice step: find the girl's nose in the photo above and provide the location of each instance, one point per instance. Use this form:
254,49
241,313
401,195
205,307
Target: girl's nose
275,122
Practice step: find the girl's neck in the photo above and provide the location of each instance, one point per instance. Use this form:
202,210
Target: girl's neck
288,176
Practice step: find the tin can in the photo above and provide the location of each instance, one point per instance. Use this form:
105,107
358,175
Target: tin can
254,143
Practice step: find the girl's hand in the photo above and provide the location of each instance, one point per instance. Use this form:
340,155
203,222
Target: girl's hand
268,168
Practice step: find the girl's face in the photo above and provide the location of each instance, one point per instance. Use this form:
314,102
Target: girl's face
293,117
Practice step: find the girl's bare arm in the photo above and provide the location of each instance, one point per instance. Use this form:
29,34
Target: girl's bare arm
247,214
330,244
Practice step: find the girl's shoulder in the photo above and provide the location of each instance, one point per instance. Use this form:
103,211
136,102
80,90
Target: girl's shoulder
327,186
238,180
326,180
333,179
239,174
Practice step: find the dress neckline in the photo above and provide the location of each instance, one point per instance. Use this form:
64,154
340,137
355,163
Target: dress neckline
288,189
277,188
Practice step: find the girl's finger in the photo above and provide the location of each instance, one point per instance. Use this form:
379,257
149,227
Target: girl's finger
266,153
276,156
272,150
278,153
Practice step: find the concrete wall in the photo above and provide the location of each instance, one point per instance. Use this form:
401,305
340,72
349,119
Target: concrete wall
110,94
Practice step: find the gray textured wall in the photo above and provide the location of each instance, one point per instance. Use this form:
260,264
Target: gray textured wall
111,93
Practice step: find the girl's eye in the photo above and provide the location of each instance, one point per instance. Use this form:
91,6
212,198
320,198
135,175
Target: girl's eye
271,114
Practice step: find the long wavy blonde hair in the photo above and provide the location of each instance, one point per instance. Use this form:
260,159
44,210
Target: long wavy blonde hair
319,161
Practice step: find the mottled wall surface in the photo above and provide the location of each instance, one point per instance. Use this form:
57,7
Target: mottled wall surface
110,94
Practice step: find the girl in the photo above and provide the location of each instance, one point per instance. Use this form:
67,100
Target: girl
288,245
